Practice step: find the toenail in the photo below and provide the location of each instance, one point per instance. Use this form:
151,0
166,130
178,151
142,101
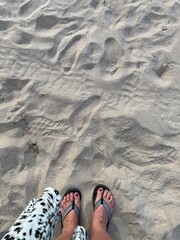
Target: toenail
100,189
76,194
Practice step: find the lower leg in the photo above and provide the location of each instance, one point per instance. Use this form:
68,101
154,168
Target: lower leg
66,234
99,233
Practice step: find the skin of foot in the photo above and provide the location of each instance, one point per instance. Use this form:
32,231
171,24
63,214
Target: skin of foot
71,220
100,219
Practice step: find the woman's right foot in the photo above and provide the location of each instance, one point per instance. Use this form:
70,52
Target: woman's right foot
100,218
71,220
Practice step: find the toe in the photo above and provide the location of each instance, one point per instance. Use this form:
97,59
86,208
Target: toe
76,196
109,195
105,193
77,199
71,197
68,197
111,198
65,199
99,193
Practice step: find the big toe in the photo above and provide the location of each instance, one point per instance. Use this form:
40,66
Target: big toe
77,199
99,193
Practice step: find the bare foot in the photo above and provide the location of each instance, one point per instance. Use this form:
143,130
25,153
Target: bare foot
100,218
71,220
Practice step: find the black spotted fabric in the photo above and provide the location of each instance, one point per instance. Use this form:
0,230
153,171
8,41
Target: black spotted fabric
38,219
80,233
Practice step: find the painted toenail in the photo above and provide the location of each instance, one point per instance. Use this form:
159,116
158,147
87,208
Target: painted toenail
100,189
76,194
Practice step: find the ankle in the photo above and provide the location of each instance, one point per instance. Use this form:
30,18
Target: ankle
68,229
97,229
99,223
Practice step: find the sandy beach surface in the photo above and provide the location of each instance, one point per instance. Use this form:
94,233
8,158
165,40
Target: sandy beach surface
90,93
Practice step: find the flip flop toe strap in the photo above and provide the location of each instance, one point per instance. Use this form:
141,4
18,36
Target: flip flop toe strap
108,210
68,209
104,203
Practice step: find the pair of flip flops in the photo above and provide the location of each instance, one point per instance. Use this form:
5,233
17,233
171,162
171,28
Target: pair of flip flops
101,201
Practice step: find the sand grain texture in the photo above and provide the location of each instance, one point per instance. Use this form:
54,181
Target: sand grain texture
89,93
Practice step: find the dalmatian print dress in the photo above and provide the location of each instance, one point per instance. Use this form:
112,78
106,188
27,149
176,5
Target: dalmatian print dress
39,218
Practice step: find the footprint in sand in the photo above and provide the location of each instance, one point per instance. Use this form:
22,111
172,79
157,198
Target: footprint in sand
22,38
46,22
110,62
9,159
80,118
93,51
136,145
11,87
4,25
31,7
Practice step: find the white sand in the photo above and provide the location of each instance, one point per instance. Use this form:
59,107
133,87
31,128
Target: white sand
89,93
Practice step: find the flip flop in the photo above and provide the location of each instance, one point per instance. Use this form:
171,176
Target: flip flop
101,201
73,206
